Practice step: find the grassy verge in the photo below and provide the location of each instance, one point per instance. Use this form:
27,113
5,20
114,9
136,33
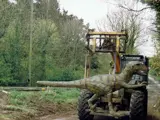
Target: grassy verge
30,105
153,73
56,95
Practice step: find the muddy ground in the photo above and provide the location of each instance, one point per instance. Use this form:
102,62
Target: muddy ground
61,111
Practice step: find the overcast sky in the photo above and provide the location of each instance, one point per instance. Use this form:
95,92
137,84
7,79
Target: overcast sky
95,10
89,10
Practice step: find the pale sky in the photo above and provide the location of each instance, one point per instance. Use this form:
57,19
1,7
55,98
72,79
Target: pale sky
90,10
95,10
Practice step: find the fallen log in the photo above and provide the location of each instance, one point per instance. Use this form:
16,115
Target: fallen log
23,88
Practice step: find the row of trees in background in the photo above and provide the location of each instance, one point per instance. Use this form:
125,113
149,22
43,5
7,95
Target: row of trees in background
58,42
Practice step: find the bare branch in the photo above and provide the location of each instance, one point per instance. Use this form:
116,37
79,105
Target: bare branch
156,31
130,9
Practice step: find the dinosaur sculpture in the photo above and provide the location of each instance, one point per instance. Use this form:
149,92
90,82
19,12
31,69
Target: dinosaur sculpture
105,84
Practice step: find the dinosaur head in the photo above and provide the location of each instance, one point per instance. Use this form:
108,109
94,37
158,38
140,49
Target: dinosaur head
138,67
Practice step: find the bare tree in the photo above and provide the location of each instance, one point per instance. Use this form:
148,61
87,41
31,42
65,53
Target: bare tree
126,19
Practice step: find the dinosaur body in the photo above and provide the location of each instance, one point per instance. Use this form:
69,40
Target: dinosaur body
104,84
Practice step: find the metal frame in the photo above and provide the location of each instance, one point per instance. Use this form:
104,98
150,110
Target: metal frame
100,37
113,37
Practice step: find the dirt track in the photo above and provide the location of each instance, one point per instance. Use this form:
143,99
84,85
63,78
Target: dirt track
153,89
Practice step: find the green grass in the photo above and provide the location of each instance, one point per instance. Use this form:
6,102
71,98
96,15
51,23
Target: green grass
60,95
33,104
152,72
56,95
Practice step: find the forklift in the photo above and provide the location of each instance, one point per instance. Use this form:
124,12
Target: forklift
132,100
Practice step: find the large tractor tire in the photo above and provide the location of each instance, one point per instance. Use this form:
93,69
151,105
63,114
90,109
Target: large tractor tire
138,105
83,106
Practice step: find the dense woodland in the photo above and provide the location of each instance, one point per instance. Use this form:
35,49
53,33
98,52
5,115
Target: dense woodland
58,42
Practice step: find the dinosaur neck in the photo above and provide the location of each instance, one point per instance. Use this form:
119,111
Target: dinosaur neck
126,75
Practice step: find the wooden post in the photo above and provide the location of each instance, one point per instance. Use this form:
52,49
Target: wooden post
30,45
87,66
